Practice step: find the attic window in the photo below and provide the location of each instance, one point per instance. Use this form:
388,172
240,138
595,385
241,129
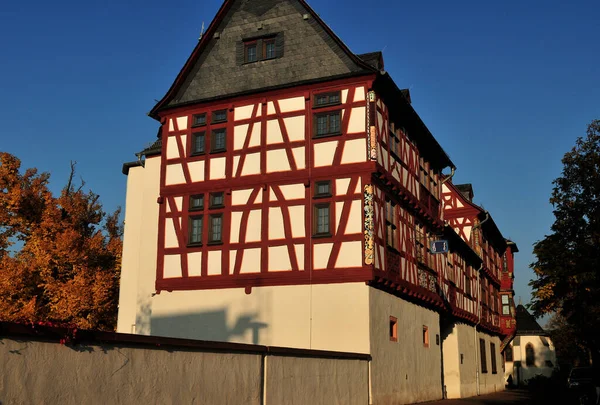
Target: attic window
199,119
264,48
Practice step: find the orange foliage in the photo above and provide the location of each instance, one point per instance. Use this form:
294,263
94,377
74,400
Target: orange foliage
60,257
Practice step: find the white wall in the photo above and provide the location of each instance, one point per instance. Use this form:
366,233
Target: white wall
491,382
542,354
404,371
138,270
326,316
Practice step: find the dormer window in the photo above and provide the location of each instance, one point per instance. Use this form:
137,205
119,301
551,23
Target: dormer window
324,99
260,49
199,120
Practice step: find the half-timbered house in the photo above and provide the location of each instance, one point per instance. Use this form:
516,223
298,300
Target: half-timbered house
290,200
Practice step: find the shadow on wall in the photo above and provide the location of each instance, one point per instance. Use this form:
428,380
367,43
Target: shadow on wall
210,325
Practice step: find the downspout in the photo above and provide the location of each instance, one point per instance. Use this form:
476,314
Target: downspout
487,216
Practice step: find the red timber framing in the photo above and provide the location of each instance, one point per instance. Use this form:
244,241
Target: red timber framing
477,229
248,143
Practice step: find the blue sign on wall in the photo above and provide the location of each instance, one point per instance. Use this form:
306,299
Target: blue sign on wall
439,246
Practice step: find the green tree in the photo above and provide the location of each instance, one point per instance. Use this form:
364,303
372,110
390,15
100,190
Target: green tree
567,262
60,256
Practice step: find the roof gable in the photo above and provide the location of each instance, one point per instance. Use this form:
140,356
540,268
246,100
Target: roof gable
526,323
307,51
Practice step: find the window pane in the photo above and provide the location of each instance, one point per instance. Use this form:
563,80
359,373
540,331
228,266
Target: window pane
334,98
198,146
505,310
505,299
219,116
323,220
270,50
216,223
200,119
323,188
321,100
334,123
218,139
251,53
196,201
195,229
321,125
217,200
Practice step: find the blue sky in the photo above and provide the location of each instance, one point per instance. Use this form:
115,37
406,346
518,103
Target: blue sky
506,87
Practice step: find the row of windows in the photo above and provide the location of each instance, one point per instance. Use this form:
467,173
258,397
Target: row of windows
482,352
321,214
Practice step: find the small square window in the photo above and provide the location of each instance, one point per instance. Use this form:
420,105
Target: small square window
217,200
323,188
321,223
198,143
218,140
219,116
425,336
199,120
197,202
195,230
328,124
215,234
324,99
393,329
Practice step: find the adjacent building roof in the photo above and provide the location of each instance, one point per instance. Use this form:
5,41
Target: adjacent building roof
526,323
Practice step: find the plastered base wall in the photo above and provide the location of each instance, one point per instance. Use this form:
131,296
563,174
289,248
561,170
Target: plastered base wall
50,373
490,382
301,381
405,371
323,317
139,246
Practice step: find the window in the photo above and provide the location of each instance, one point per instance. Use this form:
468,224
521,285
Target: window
195,230
505,305
321,223
217,143
325,99
216,200
219,116
425,336
391,224
216,228
529,355
197,143
250,54
493,354
508,353
199,120
483,356
323,188
197,202
269,49
393,329
327,124
421,243
468,280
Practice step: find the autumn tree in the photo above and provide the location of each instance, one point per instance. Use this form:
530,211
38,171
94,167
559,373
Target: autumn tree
60,256
567,262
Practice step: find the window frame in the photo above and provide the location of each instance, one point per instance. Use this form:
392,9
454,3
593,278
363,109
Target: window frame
493,357
191,220
316,233
425,336
196,207
318,183
214,120
195,124
327,114
211,240
393,329
212,204
213,136
329,95
248,45
195,136
265,43
483,356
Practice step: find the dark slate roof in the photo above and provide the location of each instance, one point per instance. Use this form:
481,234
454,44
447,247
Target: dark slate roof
153,149
526,323
311,52
374,59
512,245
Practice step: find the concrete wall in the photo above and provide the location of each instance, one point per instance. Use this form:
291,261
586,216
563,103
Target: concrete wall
324,317
460,360
139,246
542,353
405,371
38,372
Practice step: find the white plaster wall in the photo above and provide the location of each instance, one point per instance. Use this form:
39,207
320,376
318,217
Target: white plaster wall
460,372
138,271
325,317
405,371
542,353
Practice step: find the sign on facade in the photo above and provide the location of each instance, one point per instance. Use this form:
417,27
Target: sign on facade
439,246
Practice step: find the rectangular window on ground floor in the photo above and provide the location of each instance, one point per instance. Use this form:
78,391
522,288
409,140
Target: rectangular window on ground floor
482,355
425,336
393,329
